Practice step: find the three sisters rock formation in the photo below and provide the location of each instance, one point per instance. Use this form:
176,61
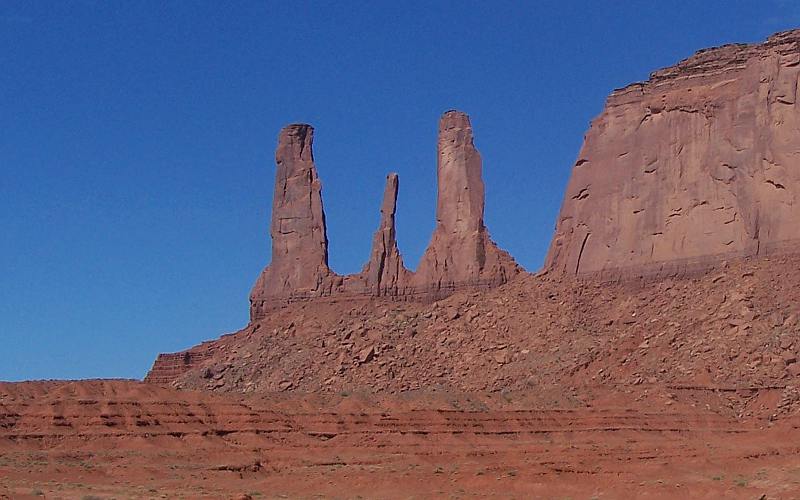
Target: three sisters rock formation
460,255
695,165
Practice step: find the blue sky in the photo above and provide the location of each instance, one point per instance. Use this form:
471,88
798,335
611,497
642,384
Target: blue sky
136,154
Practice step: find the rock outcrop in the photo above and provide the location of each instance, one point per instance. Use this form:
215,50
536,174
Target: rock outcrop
460,251
299,241
460,255
697,164
385,273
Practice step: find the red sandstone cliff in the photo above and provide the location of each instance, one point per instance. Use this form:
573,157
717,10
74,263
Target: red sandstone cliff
698,163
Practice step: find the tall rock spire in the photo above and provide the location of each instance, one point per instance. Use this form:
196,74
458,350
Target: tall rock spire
385,273
461,251
459,205
299,240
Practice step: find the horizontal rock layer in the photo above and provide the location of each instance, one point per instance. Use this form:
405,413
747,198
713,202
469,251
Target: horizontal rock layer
697,164
123,439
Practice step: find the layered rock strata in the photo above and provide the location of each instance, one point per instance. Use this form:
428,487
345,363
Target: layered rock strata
697,164
461,253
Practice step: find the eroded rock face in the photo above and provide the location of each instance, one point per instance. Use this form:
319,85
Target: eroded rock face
460,255
700,162
385,273
460,251
299,241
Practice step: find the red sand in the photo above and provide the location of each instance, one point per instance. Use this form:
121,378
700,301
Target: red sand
121,439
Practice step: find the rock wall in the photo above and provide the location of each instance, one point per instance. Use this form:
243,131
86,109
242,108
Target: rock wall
169,366
699,163
461,253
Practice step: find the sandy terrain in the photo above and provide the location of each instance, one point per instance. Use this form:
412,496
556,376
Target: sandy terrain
123,439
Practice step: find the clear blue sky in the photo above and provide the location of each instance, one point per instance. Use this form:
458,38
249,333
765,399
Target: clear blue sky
136,153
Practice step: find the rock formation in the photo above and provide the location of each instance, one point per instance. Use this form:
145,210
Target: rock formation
385,273
460,255
698,163
460,251
299,264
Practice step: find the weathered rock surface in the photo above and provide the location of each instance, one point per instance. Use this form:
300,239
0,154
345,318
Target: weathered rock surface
299,264
647,193
726,333
385,273
461,254
699,163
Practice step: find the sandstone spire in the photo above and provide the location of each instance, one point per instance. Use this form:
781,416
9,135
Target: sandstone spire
460,251
385,272
299,241
460,254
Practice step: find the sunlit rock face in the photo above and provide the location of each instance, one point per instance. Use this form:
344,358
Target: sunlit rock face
460,251
460,255
700,162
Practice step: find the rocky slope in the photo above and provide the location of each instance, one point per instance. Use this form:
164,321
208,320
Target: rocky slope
731,331
460,255
699,163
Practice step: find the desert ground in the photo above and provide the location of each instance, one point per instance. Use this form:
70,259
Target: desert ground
125,439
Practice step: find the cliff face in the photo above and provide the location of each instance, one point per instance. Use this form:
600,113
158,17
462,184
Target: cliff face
698,163
461,253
